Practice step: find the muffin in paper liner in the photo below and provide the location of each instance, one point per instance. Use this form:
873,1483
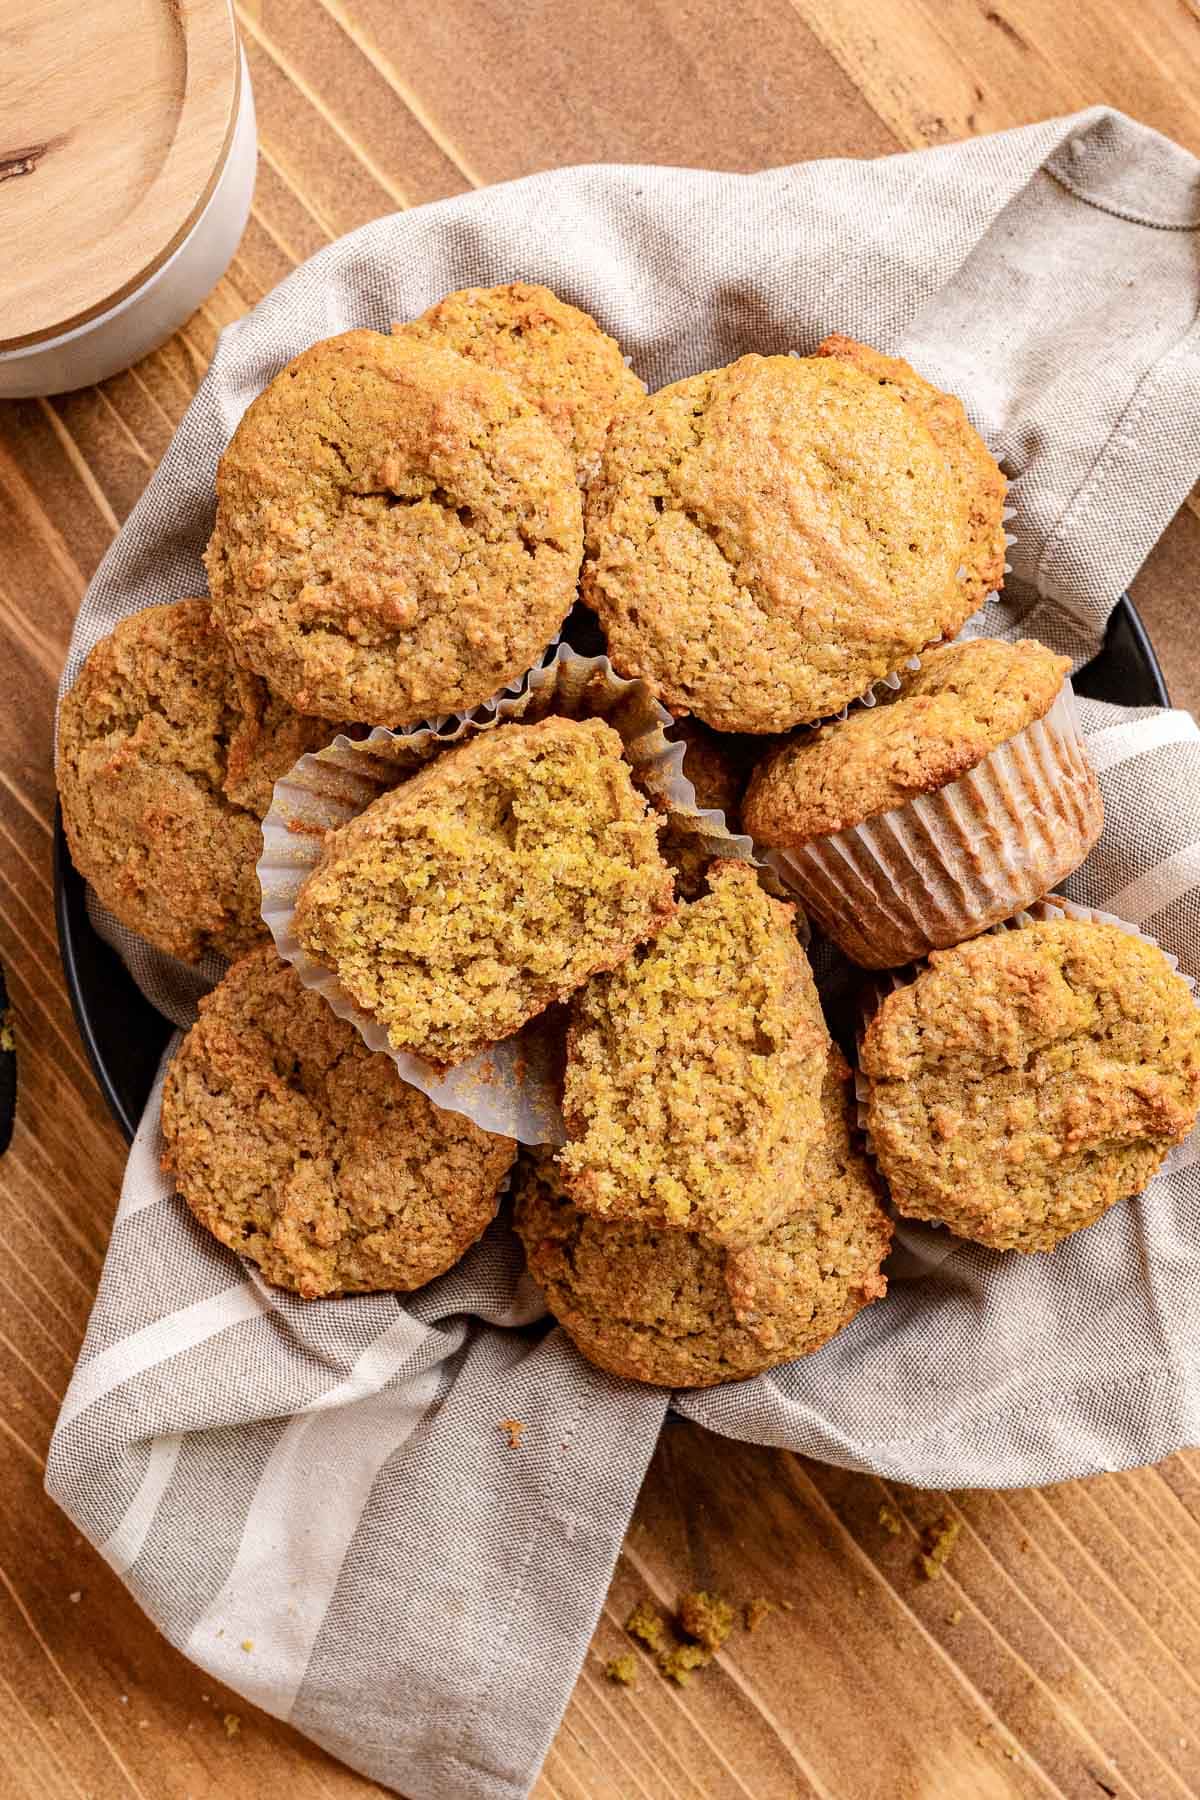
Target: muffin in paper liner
514,1087
946,865
919,1247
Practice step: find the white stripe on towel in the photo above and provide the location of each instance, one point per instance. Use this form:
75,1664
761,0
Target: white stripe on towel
122,1548
1157,887
1115,744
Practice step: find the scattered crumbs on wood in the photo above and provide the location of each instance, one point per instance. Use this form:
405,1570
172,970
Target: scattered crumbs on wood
981,1741
891,1521
232,1725
247,1645
75,1596
955,1617
1011,1754
755,1611
938,1541
679,1663
1024,1543
860,1590
703,1622
514,1430
647,1624
622,1669
787,1605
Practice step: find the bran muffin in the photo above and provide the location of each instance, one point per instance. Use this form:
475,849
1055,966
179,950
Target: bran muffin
555,355
167,755
297,1147
398,533
767,540
674,1308
921,822
717,780
694,1070
1026,1081
979,479
489,886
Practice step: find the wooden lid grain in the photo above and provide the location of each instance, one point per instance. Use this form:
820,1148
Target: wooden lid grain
115,120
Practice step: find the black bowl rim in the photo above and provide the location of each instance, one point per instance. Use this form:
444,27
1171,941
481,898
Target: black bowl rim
96,978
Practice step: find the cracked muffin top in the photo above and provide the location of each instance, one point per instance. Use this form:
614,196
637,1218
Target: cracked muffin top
554,354
488,886
167,755
965,700
975,471
694,1070
1026,1081
674,1308
398,532
766,540
295,1145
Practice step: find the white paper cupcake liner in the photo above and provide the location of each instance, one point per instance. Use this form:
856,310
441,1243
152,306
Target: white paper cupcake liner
921,1247
945,866
513,1088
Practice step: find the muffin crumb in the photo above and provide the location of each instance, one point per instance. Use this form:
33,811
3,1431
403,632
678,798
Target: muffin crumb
514,1430
891,1521
622,1669
756,1611
706,1618
938,1541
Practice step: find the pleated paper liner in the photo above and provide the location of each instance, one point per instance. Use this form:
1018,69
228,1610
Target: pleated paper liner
514,1087
945,866
919,1247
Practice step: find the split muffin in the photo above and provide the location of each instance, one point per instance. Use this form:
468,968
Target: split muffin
918,823
489,886
1028,1080
767,540
553,354
674,1308
167,756
297,1147
694,1071
398,532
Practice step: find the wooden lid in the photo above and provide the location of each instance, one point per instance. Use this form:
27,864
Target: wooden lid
115,120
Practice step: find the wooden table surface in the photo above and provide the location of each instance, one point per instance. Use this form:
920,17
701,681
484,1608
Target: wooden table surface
1060,1654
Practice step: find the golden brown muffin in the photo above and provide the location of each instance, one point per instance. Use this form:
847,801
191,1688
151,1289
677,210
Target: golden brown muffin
1026,1081
167,755
717,780
398,533
488,886
555,355
980,481
694,1070
768,539
674,1308
966,699
296,1146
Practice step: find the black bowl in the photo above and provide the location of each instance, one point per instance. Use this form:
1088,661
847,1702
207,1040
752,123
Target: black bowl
124,1036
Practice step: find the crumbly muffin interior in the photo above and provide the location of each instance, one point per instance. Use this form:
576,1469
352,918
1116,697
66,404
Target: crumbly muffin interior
491,885
1026,1081
693,1071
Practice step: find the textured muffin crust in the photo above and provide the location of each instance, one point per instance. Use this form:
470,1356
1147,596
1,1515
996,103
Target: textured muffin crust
965,700
766,540
554,354
717,780
979,480
488,886
167,755
295,1145
694,1070
672,1307
1026,1081
398,533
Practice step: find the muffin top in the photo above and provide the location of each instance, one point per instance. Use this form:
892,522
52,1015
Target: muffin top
694,1070
965,700
298,1147
398,533
673,1307
979,480
767,539
167,755
555,355
1026,1081
487,887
